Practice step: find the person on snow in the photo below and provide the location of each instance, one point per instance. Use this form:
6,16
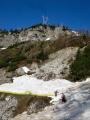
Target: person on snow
56,92
63,98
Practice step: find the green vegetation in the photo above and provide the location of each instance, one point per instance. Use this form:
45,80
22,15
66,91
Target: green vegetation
3,32
10,59
52,27
37,51
64,28
25,52
16,31
80,68
12,66
28,52
6,32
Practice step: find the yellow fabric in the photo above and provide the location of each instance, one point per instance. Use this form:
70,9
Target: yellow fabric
26,93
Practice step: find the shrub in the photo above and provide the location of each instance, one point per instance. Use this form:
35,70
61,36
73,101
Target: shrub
18,57
4,32
80,68
3,63
64,28
12,66
42,55
16,31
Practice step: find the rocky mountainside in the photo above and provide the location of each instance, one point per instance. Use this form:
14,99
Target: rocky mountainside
13,104
57,65
44,53
36,32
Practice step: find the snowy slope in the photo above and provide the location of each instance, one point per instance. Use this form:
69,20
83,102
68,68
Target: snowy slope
77,106
30,85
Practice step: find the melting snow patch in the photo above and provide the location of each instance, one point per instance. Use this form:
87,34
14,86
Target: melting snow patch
30,85
26,70
48,38
3,48
76,33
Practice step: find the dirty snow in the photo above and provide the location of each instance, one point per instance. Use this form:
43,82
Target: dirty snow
77,106
30,85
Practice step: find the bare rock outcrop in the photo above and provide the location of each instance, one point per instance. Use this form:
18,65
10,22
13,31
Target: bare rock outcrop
39,32
37,104
34,33
12,105
58,64
5,77
8,106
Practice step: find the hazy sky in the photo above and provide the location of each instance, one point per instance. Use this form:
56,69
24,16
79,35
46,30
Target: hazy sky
24,13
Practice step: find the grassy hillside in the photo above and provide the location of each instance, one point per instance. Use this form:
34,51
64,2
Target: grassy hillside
37,51
27,51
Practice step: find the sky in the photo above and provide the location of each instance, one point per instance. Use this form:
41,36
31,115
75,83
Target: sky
24,13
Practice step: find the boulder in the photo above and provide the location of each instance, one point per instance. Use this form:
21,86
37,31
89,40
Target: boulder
22,71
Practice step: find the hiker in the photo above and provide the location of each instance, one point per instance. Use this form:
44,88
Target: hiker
56,92
63,98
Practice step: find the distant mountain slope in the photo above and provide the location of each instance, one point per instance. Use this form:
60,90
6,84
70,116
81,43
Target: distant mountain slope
36,32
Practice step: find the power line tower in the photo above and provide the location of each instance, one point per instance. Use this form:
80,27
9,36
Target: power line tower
45,20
